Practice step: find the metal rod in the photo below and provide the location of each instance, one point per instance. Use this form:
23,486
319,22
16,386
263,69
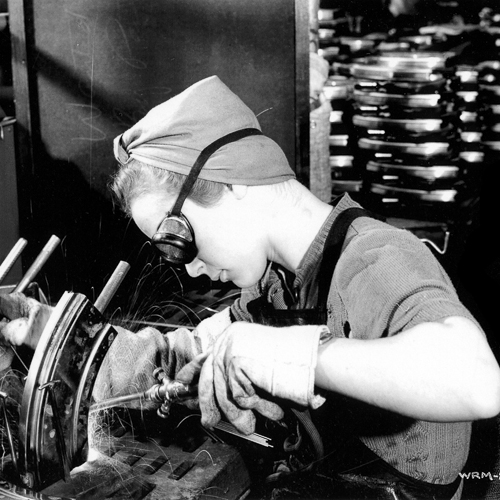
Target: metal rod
11,258
116,401
38,264
111,286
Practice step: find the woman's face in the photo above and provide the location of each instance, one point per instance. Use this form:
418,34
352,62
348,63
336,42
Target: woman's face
230,240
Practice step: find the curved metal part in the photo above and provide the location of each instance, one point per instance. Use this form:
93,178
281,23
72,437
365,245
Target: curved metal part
425,149
382,99
84,391
416,125
71,348
437,195
429,173
386,72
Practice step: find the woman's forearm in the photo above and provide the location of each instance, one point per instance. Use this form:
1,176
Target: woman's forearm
442,371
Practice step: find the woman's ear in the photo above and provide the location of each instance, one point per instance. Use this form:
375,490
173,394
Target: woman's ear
239,191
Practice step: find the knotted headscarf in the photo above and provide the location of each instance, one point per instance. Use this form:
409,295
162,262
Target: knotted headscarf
172,135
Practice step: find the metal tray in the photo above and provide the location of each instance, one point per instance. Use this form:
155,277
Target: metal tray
394,111
412,101
414,60
341,161
430,174
401,87
436,195
356,44
338,140
417,125
426,149
386,72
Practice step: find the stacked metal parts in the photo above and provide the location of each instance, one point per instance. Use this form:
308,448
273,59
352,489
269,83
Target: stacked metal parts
488,71
414,112
404,115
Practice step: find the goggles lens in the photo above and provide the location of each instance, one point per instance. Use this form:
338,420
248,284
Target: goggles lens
174,239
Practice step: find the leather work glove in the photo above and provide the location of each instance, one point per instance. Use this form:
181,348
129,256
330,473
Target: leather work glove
129,364
22,320
279,361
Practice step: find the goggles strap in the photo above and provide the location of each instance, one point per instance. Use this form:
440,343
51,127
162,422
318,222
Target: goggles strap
203,158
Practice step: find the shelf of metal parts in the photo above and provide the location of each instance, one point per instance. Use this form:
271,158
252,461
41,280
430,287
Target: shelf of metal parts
411,101
349,186
401,88
395,194
429,174
424,150
386,73
423,125
397,112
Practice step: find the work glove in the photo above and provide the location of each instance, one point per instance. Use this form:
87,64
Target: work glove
248,359
22,320
130,361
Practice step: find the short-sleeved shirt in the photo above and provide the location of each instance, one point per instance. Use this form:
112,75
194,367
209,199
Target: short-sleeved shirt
386,281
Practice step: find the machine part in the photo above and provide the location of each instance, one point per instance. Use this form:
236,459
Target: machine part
71,349
422,125
430,174
394,193
111,286
35,268
401,87
165,393
72,346
386,72
425,149
382,99
11,258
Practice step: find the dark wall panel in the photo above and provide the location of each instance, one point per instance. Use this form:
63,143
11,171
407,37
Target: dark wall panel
102,65
87,70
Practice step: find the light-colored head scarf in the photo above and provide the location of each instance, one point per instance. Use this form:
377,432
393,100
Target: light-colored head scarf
172,135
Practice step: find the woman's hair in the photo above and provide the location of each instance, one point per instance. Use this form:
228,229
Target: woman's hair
136,178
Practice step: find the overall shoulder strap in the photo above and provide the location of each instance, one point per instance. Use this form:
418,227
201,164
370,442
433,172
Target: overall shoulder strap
333,249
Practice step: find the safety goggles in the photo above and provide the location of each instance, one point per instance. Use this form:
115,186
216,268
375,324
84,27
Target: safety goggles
174,237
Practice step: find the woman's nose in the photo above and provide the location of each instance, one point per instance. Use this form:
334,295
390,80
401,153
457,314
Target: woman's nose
195,268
